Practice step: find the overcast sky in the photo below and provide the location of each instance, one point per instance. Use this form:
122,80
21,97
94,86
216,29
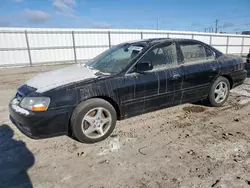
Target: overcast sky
194,15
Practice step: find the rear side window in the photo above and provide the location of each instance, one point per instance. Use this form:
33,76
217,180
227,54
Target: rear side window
193,52
210,54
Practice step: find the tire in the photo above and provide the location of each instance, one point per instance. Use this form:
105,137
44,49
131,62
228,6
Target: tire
85,119
212,96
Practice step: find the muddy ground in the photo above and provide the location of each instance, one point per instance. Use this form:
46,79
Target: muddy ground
184,146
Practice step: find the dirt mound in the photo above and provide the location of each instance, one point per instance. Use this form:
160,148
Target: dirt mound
194,109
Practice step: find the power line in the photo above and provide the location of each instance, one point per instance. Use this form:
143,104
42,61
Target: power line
233,26
234,18
225,26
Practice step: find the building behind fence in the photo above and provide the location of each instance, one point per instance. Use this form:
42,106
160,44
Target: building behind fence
30,46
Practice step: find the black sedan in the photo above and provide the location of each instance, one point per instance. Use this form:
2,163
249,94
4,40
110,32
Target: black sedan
127,80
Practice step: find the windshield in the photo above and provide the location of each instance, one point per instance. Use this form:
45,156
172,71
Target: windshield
115,59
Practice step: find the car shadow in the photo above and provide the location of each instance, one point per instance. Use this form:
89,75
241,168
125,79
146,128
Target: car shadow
15,160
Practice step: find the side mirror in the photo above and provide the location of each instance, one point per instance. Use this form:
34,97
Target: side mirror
144,66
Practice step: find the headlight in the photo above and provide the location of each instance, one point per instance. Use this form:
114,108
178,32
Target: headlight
36,104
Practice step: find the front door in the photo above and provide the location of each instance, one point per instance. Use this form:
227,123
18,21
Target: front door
157,88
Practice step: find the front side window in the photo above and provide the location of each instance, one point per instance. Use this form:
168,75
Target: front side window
115,59
161,57
195,52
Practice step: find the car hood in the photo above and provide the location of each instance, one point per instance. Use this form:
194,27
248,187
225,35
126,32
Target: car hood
49,80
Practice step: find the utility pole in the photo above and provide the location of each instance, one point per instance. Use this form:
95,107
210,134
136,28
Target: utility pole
157,24
216,26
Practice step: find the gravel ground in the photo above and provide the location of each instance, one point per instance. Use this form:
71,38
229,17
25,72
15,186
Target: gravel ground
191,145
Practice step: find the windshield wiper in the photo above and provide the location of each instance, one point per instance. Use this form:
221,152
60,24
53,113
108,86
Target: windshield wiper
96,71
102,73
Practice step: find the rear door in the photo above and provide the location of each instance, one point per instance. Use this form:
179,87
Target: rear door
200,68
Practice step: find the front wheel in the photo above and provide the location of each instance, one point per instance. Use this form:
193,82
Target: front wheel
219,92
93,120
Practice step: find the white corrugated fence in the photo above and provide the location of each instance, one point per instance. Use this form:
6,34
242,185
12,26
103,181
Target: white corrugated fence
32,46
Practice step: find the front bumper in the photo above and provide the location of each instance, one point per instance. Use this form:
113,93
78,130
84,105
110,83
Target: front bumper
39,125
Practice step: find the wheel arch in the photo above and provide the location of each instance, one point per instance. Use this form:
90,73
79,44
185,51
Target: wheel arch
211,94
108,99
230,79
113,103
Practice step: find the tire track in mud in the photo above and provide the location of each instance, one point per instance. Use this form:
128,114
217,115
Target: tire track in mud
194,124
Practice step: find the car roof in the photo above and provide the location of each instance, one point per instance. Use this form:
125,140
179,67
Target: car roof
153,41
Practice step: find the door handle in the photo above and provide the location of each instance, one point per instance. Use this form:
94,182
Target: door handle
176,77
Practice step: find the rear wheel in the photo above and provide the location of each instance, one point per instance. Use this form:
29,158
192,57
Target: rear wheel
219,92
93,120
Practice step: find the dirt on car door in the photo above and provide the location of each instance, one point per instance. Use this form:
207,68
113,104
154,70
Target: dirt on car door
200,68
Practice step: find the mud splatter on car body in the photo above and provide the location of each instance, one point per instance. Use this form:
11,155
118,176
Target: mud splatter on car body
131,93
